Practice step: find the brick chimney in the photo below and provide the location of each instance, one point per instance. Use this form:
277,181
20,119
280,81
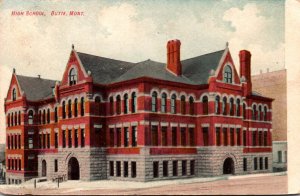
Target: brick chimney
173,57
245,70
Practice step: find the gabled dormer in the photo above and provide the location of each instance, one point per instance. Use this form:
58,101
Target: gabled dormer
14,91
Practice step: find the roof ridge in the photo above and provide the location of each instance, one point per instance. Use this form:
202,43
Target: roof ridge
203,55
103,57
36,77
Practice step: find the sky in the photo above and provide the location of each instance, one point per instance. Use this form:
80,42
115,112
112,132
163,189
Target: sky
135,31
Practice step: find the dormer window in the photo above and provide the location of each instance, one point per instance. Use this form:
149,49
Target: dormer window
14,94
72,77
228,74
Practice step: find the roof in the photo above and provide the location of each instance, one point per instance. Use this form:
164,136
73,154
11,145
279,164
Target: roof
36,88
103,70
106,71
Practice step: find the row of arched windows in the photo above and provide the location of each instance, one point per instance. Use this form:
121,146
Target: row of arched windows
14,119
68,111
260,113
221,107
13,141
128,104
14,164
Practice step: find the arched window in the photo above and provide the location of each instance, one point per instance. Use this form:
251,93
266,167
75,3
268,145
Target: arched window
55,115
182,104
48,116
97,105
265,113
64,109
75,107
82,106
224,106
173,104
111,105
69,108
217,105
154,102
231,102
118,104
30,117
244,111
254,112
40,117
228,74
72,77
238,111
259,113
125,101
14,94
205,105
133,102
164,103
44,116
12,119
191,101
8,120
19,118
16,118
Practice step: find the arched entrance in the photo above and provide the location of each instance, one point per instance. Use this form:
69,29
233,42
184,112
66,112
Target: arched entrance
228,166
73,169
44,168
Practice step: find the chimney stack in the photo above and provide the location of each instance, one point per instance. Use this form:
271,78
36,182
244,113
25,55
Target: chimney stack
173,57
245,70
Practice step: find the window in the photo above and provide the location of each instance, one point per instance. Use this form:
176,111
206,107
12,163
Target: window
238,112
48,116
155,169
64,109
8,141
266,163
259,113
133,102
224,106
205,105
192,167
232,136
218,136
134,136
182,104
231,104
244,111
30,141
125,169
44,116
30,117
164,137
82,106
261,163
72,77
133,169
164,103
12,119
125,101
14,95
225,143
228,74
154,135
255,163
118,137
40,141
70,138
175,168
183,136
191,101
205,136
265,113
76,107
111,105
44,140
238,134
154,102
174,136
183,167
97,106
48,140
254,138
244,138
126,137
118,168
56,140
265,138
55,115
254,112
245,164
173,104
70,108
279,154
111,168
55,165
111,137
165,168
76,138
118,104
8,120
82,138
260,138
217,105
192,137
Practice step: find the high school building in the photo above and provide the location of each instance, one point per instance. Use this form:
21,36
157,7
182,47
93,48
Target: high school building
110,119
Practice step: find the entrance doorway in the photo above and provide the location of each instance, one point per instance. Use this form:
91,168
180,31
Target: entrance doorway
73,169
228,167
44,168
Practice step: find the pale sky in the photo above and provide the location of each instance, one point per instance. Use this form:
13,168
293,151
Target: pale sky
135,31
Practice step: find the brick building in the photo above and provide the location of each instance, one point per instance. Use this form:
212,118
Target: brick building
110,119
274,84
